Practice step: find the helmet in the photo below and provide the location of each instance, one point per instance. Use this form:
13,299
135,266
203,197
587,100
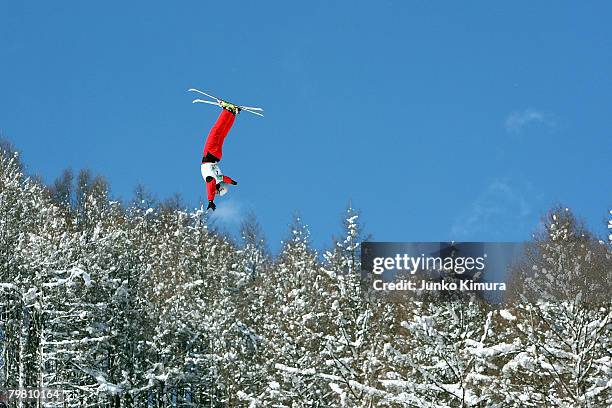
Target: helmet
222,188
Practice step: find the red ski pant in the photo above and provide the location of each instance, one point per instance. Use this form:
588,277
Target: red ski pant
216,137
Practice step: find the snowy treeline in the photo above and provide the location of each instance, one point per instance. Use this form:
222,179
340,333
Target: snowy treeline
144,306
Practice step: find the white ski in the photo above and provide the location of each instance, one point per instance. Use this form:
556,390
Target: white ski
252,108
250,111
203,101
203,93
217,102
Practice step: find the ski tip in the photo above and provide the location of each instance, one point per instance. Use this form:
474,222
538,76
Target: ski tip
254,113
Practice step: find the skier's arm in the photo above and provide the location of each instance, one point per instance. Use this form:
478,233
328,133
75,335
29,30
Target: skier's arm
211,188
229,180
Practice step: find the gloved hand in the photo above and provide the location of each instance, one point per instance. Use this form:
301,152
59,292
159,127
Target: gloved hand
211,206
234,182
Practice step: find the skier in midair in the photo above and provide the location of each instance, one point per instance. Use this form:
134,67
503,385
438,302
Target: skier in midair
216,181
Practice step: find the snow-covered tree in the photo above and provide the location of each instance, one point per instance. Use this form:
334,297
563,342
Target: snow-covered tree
565,263
610,227
147,305
355,336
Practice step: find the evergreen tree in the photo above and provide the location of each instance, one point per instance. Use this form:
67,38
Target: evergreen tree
147,305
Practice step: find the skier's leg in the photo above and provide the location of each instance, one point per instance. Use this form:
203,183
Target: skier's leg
216,137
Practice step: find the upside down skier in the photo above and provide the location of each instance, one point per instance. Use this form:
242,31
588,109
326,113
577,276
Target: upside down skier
216,182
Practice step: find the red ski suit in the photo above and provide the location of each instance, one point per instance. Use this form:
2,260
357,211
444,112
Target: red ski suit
211,187
216,137
214,146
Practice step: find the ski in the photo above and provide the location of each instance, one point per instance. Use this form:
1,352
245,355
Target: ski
217,104
252,108
255,113
244,108
217,101
250,111
203,101
203,93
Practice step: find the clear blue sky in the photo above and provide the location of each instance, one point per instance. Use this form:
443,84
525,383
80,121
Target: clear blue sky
439,120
